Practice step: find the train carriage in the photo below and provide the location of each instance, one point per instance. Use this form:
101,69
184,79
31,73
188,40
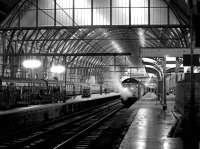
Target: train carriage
22,92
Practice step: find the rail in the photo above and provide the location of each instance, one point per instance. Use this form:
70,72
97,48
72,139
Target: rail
44,136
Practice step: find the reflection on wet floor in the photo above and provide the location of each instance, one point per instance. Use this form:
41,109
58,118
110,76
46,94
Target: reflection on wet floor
150,129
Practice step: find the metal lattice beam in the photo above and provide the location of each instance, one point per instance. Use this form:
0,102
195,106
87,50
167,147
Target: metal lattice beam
67,54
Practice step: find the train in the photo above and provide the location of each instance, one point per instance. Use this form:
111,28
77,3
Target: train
135,90
23,92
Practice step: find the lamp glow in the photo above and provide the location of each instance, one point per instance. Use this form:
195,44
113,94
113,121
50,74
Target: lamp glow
57,69
168,58
31,63
170,65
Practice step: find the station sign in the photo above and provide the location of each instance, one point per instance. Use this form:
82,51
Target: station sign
187,60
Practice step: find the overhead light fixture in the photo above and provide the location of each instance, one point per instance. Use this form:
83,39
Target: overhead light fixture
57,69
170,65
169,58
31,63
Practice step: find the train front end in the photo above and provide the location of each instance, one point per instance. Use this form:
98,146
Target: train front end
130,92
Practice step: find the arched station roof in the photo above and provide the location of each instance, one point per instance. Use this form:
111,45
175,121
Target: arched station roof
151,66
92,26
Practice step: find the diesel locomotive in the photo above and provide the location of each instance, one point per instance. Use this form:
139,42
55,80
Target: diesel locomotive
135,90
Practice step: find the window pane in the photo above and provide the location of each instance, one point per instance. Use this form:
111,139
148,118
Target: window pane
83,16
82,3
45,17
139,3
101,16
120,3
46,4
120,16
64,3
101,3
172,18
158,15
28,18
64,17
157,3
139,16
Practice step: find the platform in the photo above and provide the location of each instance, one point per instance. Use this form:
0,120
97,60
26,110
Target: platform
50,105
92,97
151,127
24,117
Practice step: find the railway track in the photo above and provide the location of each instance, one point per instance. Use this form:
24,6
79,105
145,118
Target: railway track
66,132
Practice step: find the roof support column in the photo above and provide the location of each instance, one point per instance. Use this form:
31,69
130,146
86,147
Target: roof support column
110,12
92,12
192,120
149,12
73,14
65,77
54,12
129,12
168,16
36,15
45,67
177,69
164,84
114,63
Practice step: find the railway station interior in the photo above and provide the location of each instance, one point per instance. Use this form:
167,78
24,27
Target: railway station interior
93,74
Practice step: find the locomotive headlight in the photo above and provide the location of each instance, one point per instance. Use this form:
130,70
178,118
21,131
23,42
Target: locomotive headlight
57,69
31,63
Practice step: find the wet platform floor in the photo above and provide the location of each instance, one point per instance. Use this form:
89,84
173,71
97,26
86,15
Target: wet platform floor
150,128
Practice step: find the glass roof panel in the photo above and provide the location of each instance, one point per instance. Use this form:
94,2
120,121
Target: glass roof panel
101,3
82,4
157,3
122,13
63,4
139,3
120,3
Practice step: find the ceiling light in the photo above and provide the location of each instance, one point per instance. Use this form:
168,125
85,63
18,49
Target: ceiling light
57,69
168,58
31,63
170,65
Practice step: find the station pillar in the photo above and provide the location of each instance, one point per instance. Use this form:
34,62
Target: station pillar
164,85
101,89
177,69
160,90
